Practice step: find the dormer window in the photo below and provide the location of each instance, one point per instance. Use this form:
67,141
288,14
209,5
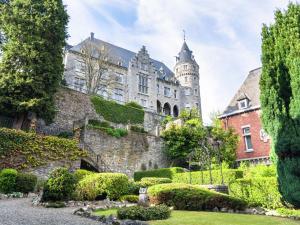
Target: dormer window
243,104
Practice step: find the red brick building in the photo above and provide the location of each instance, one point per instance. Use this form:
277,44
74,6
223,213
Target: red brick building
243,114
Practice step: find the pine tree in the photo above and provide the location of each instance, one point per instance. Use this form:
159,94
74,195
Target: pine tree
31,66
280,96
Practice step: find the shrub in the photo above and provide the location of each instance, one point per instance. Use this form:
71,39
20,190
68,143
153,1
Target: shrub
288,212
257,191
125,114
150,181
60,185
191,197
25,183
66,134
97,123
80,174
40,184
164,172
138,129
130,198
8,180
19,149
133,188
115,132
199,177
112,185
260,171
134,105
159,212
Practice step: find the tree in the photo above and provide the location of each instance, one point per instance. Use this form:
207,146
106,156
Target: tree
31,66
280,96
96,63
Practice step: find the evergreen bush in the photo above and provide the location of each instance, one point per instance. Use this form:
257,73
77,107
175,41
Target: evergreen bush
150,181
8,180
191,197
130,198
26,183
164,172
134,105
138,129
160,212
81,173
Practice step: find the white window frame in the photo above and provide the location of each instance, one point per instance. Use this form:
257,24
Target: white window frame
245,135
245,101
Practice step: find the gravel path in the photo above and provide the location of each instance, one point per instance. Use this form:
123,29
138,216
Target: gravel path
21,212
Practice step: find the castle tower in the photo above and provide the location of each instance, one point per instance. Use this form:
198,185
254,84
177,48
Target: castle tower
187,72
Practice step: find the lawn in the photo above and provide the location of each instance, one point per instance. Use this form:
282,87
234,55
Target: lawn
211,218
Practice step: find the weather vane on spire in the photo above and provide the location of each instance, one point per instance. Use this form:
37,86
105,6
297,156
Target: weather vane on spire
183,35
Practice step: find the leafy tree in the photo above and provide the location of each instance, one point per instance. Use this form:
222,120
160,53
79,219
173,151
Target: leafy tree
31,66
280,96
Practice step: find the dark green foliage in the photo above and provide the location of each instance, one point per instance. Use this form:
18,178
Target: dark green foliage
134,105
112,185
97,123
160,212
133,188
150,181
8,180
138,129
130,198
31,66
60,185
66,134
105,126
117,113
25,183
19,149
259,191
164,172
191,197
198,177
280,96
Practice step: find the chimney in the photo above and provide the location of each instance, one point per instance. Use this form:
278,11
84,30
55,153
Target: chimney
92,36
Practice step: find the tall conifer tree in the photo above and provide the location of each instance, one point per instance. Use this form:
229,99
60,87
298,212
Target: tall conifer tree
31,66
280,96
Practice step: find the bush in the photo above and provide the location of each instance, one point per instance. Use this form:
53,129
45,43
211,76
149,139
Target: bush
19,149
191,197
229,176
257,191
164,172
150,181
133,188
117,113
80,174
112,185
130,198
97,123
138,129
134,105
8,180
60,186
260,171
160,212
288,212
66,134
26,183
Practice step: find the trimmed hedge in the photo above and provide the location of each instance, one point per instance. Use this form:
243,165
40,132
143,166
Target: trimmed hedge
258,191
80,174
60,186
117,113
191,197
150,181
130,198
160,212
25,183
229,176
8,180
112,185
19,149
164,172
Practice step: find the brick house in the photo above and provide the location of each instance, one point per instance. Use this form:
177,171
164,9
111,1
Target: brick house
243,114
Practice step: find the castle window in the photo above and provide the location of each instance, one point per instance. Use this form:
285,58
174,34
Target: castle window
175,93
119,78
187,91
185,79
185,67
167,92
247,138
118,95
196,91
157,88
143,83
195,77
197,105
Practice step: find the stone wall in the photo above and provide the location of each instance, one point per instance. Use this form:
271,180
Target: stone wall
127,154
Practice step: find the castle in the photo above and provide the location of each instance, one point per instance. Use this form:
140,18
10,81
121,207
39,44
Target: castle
137,77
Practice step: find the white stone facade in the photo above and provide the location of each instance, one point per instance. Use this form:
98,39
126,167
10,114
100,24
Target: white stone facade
143,80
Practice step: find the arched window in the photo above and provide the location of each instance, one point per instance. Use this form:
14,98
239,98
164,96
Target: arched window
167,109
175,111
158,107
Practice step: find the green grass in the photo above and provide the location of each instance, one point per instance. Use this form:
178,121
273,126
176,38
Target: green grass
210,218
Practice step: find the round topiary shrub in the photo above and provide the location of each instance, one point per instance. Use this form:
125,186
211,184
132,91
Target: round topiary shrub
191,197
111,185
60,186
25,183
8,180
150,181
160,212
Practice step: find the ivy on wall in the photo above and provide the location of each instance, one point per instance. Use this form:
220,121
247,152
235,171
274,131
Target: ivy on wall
117,113
19,149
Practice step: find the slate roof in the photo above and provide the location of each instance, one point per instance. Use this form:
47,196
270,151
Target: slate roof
250,90
185,54
125,56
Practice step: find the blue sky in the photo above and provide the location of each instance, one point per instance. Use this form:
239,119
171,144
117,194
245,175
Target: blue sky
224,35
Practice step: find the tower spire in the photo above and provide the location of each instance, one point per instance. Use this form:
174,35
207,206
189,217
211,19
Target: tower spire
183,35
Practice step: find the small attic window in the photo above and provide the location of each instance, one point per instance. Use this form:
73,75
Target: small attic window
243,104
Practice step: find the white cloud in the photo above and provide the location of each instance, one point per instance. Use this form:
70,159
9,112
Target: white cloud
224,35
